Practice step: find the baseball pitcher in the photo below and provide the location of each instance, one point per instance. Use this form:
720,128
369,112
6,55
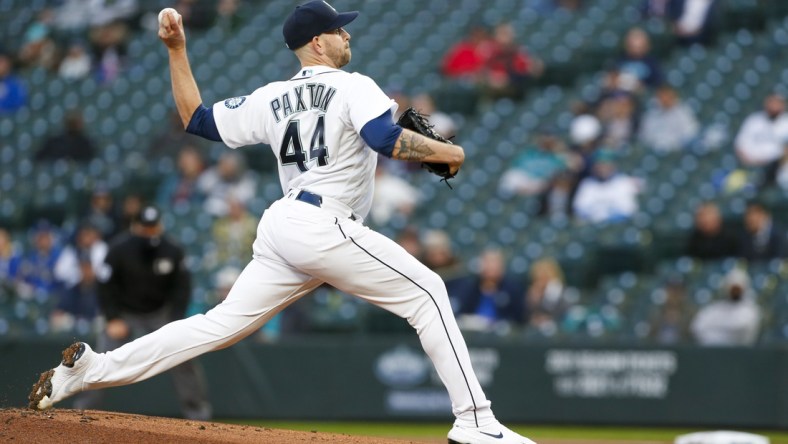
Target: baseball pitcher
326,127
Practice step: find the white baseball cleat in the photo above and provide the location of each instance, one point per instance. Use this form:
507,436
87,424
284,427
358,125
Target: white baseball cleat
494,433
64,380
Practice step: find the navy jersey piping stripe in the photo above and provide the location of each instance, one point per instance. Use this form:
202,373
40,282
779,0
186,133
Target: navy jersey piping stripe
439,314
336,221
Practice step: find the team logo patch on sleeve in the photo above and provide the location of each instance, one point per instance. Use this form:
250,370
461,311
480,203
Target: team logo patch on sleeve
235,102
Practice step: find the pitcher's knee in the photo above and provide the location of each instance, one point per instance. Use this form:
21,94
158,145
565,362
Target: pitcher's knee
432,304
437,290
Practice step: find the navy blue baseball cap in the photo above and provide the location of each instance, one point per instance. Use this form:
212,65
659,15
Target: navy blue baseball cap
312,19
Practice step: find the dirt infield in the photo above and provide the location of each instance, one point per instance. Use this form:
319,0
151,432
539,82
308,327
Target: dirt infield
97,427
93,426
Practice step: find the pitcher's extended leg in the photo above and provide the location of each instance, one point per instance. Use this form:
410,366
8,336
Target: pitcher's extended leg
263,289
372,266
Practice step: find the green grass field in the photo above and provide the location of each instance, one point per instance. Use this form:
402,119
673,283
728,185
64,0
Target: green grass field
438,431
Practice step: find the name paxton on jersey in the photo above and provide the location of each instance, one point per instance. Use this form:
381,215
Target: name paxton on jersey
319,98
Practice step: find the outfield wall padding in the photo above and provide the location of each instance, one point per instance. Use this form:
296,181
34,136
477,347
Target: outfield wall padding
366,378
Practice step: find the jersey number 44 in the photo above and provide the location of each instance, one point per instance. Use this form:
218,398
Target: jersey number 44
292,150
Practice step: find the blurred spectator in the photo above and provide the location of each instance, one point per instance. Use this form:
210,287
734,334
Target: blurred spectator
669,125
762,238
670,320
111,22
545,300
615,82
618,116
13,94
182,189
732,321
442,122
606,195
694,21
558,198
88,246
637,61
38,47
439,255
197,14
106,16
711,238
37,267
409,239
228,179
465,59
76,269
776,173
70,17
110,59
763,133
509,68
172,139
585,133
101,213
77,308
233,235
73,143
76,64
113,12
490,295
9,263
228,15
393,195
130,210
534,168
9,258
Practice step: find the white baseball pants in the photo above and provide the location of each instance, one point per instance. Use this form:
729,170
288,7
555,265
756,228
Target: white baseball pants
298,247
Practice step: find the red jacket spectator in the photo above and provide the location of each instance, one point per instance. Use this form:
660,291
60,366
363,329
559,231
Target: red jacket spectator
467,57
509,67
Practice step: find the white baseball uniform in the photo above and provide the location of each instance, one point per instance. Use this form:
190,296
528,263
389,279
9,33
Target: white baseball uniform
312,123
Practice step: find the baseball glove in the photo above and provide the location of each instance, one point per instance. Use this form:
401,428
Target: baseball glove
417,122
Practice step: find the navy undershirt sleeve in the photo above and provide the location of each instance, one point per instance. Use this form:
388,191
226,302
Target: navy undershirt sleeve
381,133
203,124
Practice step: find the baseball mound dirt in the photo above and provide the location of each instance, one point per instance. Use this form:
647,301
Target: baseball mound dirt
93,426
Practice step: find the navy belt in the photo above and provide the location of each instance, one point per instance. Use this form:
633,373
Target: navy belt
314,199
310,198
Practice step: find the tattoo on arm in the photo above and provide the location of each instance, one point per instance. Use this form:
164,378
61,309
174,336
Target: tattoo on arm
413,147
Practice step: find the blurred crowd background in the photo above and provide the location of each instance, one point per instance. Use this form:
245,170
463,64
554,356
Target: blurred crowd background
626,177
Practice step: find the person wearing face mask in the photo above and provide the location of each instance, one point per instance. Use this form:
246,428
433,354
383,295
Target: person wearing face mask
763,134
733,320
143,285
